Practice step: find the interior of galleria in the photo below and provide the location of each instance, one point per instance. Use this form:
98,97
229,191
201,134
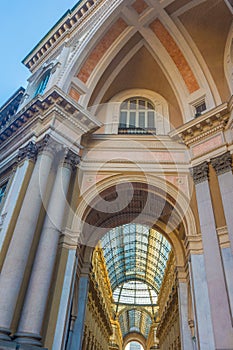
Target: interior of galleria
116,183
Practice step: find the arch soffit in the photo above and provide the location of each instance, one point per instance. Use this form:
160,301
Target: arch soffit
89,44
181,202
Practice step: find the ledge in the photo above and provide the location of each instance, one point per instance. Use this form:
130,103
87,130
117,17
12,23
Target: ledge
200,127
41,104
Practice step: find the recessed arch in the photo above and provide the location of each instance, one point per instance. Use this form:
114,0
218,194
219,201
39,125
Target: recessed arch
175,75
172,197
134,337
159,102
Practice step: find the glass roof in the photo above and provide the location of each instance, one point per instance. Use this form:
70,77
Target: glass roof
135,252
135,257
133,320
135,292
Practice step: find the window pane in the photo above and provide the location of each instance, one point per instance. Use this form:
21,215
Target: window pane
151,120
142,104
149,105
132,119
133,104
123,118
141,119
2,191
124,105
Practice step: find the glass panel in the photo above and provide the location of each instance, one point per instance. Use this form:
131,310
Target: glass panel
136,258
42,84
142,104
141,119
123,119
132,119
133,104
124,105
2,191
150,106
151,120
135,120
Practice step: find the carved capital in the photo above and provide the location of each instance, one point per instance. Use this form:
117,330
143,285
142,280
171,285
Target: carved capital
222,164
50,145
200,173
29,152
72,159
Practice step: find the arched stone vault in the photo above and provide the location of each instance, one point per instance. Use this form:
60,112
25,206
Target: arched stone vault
162,36
97,210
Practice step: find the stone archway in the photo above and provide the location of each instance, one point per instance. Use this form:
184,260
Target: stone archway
126,199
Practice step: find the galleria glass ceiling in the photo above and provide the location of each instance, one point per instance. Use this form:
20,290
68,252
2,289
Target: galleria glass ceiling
136,258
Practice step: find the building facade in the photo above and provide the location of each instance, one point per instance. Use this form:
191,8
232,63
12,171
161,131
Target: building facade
116,182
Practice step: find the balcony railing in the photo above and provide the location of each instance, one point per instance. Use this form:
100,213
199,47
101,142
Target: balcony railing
138,131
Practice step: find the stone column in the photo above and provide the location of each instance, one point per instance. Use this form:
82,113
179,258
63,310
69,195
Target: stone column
185,333
217,292
201,304
77,335
223,167
62,322
18,252
26,159
37,293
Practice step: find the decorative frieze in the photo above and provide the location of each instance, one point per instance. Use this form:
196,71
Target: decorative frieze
54,101
200,173
222,164
203,127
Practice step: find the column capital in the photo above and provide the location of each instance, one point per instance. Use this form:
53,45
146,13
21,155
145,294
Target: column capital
71,159
49,144
200,173
29,151
222,164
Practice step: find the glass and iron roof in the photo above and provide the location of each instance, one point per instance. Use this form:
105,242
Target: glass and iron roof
133,320
136,258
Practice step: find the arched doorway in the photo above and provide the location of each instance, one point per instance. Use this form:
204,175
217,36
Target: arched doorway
128,204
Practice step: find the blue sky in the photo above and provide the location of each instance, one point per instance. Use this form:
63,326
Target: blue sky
22,25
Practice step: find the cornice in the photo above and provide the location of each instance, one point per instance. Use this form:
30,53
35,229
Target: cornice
61,30
56,100
199,128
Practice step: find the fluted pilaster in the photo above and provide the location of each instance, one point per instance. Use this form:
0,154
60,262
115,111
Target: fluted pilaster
218,317
29,330
16,259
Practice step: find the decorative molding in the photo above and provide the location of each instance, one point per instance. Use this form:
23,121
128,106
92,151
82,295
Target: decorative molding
48,144
223,237
56,100
176,55
71,159
200,173
61,31
29,151
204,126
193,244
222,164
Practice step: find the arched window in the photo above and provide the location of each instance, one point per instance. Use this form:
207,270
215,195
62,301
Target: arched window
137,116
42,83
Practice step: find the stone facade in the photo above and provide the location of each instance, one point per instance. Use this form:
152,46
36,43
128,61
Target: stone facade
67,177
